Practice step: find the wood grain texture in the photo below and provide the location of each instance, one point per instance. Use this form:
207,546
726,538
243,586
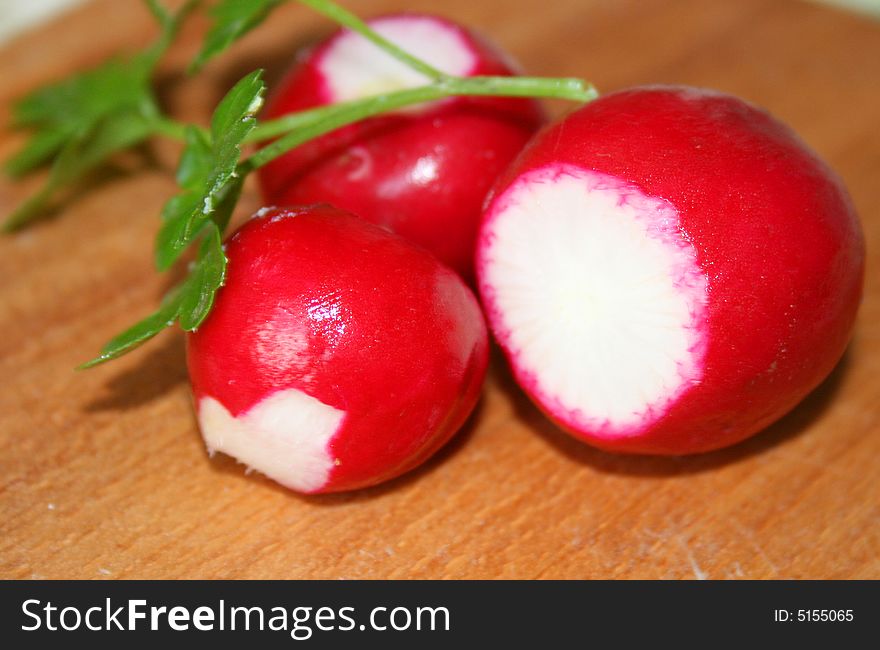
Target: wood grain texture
102,474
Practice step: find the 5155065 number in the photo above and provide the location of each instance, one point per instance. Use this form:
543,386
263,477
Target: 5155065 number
813,615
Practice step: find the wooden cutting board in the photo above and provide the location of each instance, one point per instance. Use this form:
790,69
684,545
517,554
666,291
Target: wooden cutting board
102,474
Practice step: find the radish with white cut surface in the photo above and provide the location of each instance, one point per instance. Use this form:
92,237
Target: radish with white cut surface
422,172
337,355
669,270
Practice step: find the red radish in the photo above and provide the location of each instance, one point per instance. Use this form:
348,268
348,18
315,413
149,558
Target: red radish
337,355
422,172
670,270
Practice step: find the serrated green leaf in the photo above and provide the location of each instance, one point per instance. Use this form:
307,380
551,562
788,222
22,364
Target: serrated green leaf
211,181
232,20
81,154
179,205
175,216
85,118
115,132
192,170
197,295
195,161
189,302
232,121
241,103
186,209
137,334
86,97
226,203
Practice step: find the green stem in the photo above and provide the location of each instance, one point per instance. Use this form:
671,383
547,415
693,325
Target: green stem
550,87
170,25
559,88
302,126
347,19
310,124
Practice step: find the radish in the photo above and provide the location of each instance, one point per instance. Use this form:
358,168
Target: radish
337,355
422,172
669,270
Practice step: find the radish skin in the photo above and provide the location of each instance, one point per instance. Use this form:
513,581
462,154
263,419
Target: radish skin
670,270
337,355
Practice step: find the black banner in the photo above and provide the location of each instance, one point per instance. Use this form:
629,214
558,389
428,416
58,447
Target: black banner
428,614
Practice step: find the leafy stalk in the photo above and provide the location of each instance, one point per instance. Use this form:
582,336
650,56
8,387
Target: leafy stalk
208,172
84,120
188,302
210,185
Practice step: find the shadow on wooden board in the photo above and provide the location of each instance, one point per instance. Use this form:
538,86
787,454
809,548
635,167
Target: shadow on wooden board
795,422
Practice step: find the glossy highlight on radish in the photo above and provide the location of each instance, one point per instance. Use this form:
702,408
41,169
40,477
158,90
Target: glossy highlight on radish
422,172
669,270
337,355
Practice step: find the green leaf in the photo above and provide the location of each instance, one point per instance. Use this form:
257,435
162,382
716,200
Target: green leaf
82,99
192,172
175,214
84,119
41,147
189,302
238,105
231,123
197,294
211,186
232,20
174,220
233,120
209,176
226,203
81,154
195,161
115,132
137,334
